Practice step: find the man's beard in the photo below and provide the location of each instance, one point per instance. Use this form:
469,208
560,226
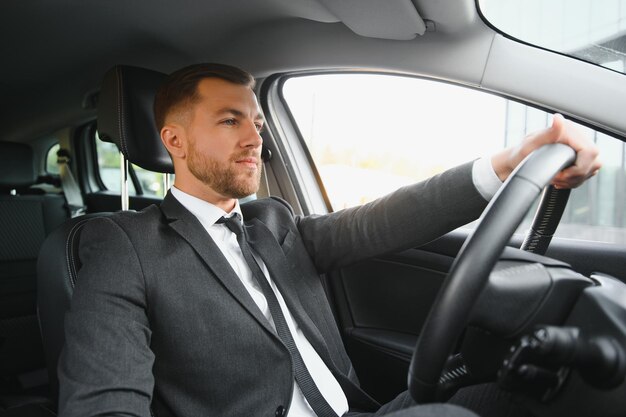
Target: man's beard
224,178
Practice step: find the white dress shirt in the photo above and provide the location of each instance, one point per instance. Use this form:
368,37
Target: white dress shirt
485,180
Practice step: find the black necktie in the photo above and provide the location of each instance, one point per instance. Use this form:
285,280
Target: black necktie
303,377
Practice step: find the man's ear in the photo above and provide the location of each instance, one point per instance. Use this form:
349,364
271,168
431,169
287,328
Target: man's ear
172,136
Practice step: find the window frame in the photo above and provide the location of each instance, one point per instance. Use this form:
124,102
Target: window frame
287,118
523,42
46,170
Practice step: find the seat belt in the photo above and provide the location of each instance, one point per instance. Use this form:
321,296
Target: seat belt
264,189
73,196
264,186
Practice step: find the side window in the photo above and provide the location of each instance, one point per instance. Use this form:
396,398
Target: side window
150,183
109,167
52,167
370,134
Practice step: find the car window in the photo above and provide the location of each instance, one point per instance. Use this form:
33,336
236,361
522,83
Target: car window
370,134
591,30
151,183
52,167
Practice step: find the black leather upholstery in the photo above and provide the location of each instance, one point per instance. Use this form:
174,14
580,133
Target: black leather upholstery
34,409
126,118
57,271
25,221
17,169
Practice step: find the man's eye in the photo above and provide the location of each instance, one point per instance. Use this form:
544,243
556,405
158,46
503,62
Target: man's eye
230,122
259,127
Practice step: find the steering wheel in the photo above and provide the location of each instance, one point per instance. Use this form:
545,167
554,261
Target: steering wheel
470,271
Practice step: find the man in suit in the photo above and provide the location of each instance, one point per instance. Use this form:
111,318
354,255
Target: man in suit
182,310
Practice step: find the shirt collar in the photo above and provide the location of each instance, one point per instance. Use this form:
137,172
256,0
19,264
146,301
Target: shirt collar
204,211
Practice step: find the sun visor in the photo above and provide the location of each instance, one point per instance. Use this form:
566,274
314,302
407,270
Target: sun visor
384,19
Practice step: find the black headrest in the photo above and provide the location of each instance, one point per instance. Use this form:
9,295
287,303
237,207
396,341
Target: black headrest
126,118
17,166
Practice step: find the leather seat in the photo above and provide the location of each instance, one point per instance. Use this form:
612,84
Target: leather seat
125,118
29,410
27,216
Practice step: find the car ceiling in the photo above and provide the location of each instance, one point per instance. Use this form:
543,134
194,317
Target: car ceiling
58,51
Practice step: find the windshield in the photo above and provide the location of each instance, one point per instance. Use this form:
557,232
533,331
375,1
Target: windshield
591,30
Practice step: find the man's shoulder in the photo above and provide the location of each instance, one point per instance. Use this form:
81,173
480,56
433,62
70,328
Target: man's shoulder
127,220
274,212
264,207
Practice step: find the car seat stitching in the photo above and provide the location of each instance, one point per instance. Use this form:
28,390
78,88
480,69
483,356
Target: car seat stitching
120,112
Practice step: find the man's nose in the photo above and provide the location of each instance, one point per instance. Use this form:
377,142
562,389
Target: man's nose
251,136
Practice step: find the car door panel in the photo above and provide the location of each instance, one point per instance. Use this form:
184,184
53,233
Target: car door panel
382,303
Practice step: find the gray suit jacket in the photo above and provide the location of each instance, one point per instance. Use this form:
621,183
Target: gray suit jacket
159,319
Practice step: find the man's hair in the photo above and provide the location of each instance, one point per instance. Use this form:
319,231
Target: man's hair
180,89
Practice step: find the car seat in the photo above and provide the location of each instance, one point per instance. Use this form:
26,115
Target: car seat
125,118
27,216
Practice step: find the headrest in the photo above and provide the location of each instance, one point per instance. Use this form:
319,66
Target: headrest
17,166
126,118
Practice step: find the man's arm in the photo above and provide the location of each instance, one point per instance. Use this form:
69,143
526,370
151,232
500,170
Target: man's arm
417,214
408,217
105,368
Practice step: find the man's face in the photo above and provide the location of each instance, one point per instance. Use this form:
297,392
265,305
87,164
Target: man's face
224,144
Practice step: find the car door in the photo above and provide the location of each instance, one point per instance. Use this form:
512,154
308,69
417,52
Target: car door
351,137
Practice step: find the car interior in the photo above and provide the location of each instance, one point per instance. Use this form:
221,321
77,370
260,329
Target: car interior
541,315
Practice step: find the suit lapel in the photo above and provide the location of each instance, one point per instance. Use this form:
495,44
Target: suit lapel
188,226
265,244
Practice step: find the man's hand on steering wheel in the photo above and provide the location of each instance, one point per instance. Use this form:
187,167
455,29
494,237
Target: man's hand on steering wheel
472,267
564,131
